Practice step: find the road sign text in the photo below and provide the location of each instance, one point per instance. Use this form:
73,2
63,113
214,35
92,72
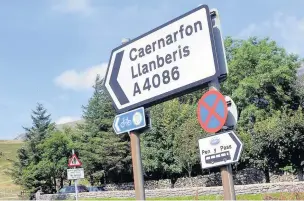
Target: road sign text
166,76
167,61
222,149
77,173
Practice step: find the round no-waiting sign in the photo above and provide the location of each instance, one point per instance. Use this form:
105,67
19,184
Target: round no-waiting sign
212,111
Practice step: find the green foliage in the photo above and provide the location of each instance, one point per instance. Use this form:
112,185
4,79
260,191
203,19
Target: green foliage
56,151
261,76
262,82
103,153
282,139
185,143
265,153
290,140
160,150
26,170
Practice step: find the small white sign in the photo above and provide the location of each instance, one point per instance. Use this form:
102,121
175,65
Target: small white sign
169,60
220,149
77,173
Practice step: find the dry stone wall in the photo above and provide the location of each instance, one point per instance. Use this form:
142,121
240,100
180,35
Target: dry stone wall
248,181
178,192
243,177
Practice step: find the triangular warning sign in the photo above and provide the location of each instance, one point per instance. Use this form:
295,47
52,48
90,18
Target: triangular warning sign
74,161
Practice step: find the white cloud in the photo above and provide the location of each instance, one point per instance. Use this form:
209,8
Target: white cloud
81,80
66,119
287,30
73,6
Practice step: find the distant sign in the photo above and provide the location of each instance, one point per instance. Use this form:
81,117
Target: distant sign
74,161
77,173
219,150
212,111
129,121
166,62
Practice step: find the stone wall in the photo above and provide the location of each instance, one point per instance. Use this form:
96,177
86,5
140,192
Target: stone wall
243,177
177,192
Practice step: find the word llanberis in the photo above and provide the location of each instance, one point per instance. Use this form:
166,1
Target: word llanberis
166,76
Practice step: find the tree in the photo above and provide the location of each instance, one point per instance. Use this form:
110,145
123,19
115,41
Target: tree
186,142
265,153
41,124
25,171
299,88
40,129
57,149
159,160
261,76
261,82
105,155
290,139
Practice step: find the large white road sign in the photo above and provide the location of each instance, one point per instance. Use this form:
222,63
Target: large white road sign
168,61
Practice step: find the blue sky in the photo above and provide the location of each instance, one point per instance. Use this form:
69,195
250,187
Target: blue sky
51,50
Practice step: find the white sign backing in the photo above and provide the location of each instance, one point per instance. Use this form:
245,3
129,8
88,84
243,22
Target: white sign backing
220,149
168,61
76,173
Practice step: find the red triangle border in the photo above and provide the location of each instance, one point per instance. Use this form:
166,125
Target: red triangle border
70,161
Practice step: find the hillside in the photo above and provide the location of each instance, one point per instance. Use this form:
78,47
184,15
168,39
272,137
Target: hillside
59,126
8,152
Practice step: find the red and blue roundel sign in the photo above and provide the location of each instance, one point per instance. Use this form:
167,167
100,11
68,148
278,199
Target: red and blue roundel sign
212,111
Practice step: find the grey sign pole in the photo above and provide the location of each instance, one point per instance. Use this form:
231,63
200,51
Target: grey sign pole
136,161
226,171
75,181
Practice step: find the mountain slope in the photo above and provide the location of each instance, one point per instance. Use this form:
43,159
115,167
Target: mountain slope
8,152
59,126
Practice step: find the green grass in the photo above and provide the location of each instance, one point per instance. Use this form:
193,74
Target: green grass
8,148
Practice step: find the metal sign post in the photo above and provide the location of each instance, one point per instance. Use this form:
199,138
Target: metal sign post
75,181
137,120
137,166
226,171
75,173
227,181
222,149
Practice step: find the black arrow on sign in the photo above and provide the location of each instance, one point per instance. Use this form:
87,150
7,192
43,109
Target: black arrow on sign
238,145
120,94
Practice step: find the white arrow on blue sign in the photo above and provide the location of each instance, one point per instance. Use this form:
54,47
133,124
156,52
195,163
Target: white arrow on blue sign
129,121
